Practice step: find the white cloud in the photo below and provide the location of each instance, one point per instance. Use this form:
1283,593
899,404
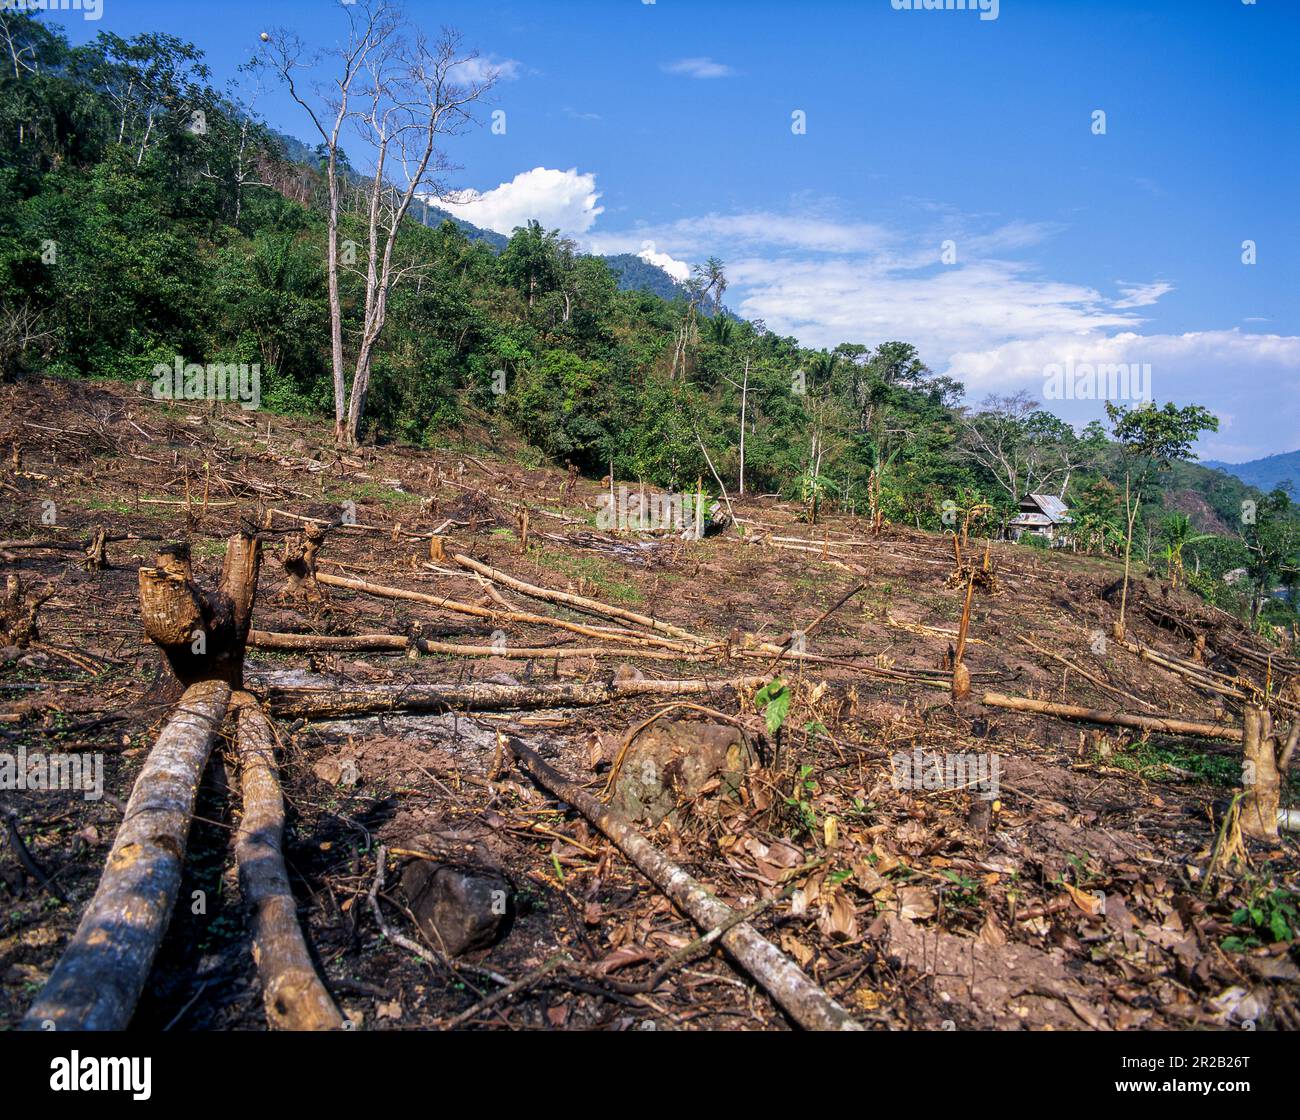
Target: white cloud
1250,381
997,325
1012,235
813,228
563,200
961,308
699,68
990,322
678,270
1141,295
1173,357
484,67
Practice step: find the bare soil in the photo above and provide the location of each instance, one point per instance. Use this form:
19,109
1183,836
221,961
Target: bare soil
1081,897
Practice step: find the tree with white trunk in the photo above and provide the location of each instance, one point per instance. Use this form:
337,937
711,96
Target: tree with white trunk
398,93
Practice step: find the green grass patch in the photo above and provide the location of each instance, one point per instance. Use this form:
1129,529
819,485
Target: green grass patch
207,549
1164,758
594,569
373,492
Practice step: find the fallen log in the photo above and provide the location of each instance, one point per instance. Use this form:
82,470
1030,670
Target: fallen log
1222,684
341,524
294,997
1218,636
360,643
335,703
99,978
577,602
1169,725
263,639
807,1004
1201,675
761,650
523,617
72,546
52,546
1085,674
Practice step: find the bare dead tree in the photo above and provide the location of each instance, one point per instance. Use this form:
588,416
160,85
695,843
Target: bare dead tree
398,93
370,26
22,327
21,55
743,386
248,157
1001,440
418,91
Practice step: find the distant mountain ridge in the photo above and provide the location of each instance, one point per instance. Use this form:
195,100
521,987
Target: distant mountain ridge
636,274
1266,473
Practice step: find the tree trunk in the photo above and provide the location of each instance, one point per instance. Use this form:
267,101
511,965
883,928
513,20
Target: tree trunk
335,302
360,391
779,976
293,994
1130,508
744,401
1259,777
1169,725
98,980
332,703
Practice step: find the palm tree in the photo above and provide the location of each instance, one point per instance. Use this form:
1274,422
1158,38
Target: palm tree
1177,533
721,329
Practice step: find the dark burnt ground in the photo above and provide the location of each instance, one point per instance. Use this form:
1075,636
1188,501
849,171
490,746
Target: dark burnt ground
931,908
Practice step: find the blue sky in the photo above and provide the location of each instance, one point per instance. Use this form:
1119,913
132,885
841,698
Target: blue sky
630,124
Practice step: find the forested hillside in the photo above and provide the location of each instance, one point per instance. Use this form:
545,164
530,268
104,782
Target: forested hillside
147,218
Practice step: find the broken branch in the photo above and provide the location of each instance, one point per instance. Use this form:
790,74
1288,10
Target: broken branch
779,976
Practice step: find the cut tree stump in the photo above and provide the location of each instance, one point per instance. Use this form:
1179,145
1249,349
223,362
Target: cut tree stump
299,560
202,634
1259,776
18,610
98,980
292,992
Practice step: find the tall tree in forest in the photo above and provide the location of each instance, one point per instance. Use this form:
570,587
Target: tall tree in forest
1151,439
531,260
1271,534
1024,448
